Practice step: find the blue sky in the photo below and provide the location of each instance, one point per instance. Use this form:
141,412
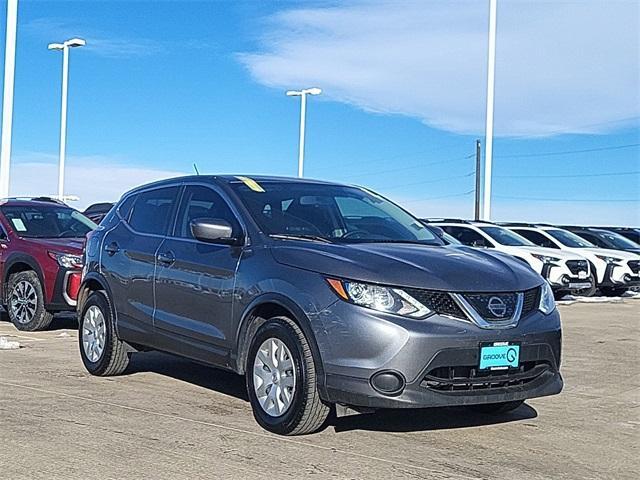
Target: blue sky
162,85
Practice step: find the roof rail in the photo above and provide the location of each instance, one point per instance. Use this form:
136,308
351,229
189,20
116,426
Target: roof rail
40,198
525,224
441,220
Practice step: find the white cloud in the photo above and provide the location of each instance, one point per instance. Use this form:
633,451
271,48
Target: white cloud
92,178
564,66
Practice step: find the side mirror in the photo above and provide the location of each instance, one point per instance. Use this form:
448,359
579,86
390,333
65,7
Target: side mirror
213,230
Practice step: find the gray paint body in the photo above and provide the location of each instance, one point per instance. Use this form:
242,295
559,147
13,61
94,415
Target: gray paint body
201,305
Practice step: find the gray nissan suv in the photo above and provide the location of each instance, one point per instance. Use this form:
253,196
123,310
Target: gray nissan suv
321,295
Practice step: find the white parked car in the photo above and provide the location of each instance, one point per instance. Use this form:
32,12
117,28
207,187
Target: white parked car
615,271
565,271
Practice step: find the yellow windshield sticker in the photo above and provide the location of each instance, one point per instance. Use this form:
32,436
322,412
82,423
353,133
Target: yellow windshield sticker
251,183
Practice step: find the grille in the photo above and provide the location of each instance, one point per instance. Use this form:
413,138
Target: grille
634,265
577,266
493,307
439,302
466,378
530,301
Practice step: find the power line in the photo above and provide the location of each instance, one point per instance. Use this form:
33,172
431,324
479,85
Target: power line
544,199
435,180
441,196
612,174
568,152
411,167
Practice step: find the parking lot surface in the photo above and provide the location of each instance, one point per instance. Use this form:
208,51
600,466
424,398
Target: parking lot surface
167,418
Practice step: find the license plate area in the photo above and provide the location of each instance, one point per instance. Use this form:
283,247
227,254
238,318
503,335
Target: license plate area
499,356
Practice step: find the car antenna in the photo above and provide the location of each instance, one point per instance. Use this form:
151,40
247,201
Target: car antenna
195,167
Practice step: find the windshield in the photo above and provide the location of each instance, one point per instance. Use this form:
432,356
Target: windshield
506,237
569,239
35,221
330,213
616,240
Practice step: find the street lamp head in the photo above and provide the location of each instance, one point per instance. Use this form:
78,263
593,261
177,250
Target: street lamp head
55,46
313,91
293,93
75,42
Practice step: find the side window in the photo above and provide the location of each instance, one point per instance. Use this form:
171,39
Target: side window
537,238
201,202
467,236
152,210
3,234
596,240
124,208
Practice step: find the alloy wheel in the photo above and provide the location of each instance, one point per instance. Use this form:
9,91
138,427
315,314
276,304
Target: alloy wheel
23,302
93,333
274,377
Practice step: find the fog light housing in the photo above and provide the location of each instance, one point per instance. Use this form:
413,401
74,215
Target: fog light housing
388,382
565,280
627,278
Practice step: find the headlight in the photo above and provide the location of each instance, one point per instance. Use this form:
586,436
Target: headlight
608,259
545,258
382,299
67,260
547,302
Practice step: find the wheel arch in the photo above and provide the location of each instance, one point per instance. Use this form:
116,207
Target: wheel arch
259,311
20,263
92,282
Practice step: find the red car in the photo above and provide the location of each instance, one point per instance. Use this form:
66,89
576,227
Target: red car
41,245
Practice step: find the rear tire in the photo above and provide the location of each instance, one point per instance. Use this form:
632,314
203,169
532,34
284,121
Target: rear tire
496,408
25,302
103,353
299,410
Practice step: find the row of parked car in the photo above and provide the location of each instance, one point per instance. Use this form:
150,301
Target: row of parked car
580,260
322,295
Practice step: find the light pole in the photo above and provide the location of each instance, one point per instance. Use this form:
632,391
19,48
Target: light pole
7,99
491,75
65,46
303,110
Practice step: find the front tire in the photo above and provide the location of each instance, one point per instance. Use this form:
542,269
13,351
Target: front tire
496,408
281,380
103,353
25,302
588,292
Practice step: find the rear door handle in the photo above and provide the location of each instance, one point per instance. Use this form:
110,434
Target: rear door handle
166,258
112,248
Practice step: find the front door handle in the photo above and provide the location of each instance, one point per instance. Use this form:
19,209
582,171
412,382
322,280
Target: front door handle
112,248
166,258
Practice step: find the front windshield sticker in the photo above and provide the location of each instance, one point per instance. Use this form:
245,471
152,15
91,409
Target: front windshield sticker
251,183
18,224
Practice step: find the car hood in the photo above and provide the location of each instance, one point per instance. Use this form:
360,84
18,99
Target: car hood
459,269
550,252
61,245
608,252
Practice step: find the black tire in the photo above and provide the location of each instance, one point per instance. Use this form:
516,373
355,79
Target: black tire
496,408
613,291
591,291
115,355
32,318
307,413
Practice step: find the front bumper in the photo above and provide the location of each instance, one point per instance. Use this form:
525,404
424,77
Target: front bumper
65,291
620,275
438,360
560,277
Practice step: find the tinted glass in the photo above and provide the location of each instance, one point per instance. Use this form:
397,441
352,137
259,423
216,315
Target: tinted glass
36,221
569,239
467,236
616,240
124,207
200,202
506,237
536,238
152,210
332,212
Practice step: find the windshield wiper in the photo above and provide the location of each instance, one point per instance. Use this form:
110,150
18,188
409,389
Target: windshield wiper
310,238
411,242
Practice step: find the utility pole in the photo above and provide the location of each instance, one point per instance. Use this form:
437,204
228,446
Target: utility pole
491,75
476,215
7,99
